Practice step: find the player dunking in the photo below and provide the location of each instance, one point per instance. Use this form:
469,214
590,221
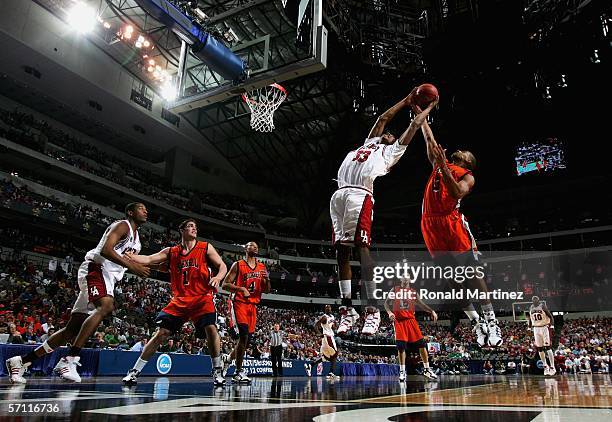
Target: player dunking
329,351
540,319
351,206
445,230
193,291
400,308
246,280
102,268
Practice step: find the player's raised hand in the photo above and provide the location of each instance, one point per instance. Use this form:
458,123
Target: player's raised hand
421,116
408,100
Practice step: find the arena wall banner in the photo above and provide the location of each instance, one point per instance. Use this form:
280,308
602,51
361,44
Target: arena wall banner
114,362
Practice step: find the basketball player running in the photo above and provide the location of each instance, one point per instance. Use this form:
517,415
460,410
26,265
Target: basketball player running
102,268
540,319
193,291
246,280
329,351
445,230
351,207
400,307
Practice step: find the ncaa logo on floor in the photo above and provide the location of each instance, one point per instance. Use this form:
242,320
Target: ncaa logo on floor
164,364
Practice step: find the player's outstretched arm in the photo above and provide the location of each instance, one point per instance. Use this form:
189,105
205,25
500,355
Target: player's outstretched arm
388,309
118,232
416,123
421,305
149,260
457,189
379,127
430,140
213,257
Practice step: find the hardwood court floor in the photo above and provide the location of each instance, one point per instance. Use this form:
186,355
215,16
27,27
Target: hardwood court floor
472,398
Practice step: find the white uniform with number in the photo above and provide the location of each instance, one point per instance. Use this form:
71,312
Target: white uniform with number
328,343
97,275
541,325
351,206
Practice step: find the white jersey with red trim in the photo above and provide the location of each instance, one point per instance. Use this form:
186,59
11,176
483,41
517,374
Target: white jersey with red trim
362,166
539,318
131,243
327,327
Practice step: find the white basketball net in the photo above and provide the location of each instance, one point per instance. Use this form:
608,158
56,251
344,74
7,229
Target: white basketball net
263,102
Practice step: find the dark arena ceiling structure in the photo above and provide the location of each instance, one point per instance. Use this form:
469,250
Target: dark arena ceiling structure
527,54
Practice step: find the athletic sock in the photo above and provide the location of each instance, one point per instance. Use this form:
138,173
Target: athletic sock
139,365
471,313
29,358
426,365
551,358
488,312
216,361
543,358
345,289
74,351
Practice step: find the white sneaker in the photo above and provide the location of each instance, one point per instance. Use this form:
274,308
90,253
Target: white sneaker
347,320
495,336
66,368
372,322
308,369
546,371
428,373
241,378
225,364
218,378
16,369
131,378
332,377
482,331
402,376
552,371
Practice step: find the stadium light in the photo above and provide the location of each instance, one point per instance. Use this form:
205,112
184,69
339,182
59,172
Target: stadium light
168,91
82,18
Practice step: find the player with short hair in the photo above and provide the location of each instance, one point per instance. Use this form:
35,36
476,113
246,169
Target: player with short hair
541,320
193,291
329,351
445,229
247,279
351,206
400,307
102,268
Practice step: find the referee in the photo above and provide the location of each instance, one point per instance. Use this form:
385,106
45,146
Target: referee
276,350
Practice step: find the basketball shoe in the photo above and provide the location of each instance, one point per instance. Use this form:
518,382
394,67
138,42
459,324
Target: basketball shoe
66,368
372,322
348,317
495,339
16,369
481,329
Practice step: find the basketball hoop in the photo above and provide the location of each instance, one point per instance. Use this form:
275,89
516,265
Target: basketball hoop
263,102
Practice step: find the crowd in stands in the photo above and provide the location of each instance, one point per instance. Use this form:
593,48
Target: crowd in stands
25,129
36,301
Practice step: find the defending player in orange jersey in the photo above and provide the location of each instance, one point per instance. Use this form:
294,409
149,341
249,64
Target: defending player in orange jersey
193,290
246,280
400,308
446,231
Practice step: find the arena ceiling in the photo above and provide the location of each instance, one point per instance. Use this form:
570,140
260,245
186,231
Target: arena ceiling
498,46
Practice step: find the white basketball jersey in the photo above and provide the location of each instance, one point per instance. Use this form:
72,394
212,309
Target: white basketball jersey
538,316
130,243
327,327
362,166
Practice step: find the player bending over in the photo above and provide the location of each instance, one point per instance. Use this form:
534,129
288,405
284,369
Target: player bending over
102,268
408,336
540,319
193,291
329,351
246,280
446,231
351,207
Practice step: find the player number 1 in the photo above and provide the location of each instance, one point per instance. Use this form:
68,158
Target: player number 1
185,278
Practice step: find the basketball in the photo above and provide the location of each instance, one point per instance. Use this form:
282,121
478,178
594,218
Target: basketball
425,94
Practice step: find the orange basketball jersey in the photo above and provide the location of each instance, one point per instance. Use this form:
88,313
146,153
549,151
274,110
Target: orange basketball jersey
403,308
252,279
189,273
437,200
